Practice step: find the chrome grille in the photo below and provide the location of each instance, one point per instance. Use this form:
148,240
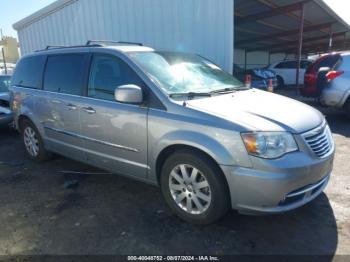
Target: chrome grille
320,141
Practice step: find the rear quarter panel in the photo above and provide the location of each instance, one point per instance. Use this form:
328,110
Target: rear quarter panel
23,104
337,93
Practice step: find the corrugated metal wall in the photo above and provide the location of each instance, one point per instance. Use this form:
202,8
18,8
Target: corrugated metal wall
258,59
200,26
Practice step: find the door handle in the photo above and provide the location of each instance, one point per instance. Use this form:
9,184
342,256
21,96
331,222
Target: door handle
89,110
71,107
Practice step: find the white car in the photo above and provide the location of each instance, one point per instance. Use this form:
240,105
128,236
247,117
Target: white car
286,71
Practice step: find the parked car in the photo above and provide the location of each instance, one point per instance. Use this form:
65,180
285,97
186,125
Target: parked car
6,115
260,77
328,79
286,71
175,120
10,68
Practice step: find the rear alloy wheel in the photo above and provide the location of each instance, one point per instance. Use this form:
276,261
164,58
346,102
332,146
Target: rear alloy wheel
194,187
33,142
280,82
347,108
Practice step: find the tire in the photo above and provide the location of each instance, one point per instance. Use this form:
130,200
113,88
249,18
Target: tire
207,192
347,108
280,82
33,142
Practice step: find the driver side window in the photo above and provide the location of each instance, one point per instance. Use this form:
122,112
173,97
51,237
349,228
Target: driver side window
106,74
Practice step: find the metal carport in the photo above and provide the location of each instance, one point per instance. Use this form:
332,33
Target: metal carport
290,27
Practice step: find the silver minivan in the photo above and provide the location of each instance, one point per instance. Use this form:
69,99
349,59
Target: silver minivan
175,120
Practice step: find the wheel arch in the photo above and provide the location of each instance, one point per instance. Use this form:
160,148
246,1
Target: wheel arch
346,99
20,121
278,76
171,149
30,118
42,154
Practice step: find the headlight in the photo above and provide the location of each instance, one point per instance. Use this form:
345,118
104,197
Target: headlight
269,144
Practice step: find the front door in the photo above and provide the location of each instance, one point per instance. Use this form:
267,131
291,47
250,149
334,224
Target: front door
114,134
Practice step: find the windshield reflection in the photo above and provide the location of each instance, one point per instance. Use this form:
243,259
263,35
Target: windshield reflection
179,73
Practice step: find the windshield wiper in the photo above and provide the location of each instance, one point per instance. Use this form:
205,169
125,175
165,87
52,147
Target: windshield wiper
224,90
228,90
191,94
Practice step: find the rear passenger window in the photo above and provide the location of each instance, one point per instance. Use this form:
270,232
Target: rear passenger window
107,73
290,65
330,61
65,73
304,64
29,72
280,65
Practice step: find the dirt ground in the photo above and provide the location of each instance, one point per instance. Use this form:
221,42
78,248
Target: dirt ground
109,214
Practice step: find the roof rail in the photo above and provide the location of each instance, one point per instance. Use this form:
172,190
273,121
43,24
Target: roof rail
54,47
91,43
107,42
49,47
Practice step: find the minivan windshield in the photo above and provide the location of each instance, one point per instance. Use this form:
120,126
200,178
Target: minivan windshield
180,73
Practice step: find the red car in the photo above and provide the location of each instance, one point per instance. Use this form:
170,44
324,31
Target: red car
313,76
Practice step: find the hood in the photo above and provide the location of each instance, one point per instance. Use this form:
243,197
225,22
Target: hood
260,111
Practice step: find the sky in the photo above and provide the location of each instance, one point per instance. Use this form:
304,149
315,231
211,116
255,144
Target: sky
341,7
12,11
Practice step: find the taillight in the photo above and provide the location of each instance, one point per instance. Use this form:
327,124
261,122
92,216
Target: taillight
331,75
310,77
248,80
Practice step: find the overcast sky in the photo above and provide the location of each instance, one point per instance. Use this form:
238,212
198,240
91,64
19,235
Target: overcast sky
341,7
12,11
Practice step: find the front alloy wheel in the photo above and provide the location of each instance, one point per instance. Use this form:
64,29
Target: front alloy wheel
190,189
194,187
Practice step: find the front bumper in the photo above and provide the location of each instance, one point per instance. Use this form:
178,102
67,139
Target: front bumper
276,186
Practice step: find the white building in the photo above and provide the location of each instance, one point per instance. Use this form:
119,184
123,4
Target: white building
262,31
200,26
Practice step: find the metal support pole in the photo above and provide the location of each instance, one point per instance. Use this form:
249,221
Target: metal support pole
330,39
344,41
4,59
300,47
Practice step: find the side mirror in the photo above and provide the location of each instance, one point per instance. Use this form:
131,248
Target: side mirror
131,94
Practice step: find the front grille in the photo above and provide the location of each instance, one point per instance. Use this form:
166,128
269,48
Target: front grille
304,192
320,141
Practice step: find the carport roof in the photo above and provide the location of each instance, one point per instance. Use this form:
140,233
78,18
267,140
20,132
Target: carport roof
273,26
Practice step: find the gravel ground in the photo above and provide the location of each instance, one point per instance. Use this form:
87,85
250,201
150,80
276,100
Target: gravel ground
109,214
